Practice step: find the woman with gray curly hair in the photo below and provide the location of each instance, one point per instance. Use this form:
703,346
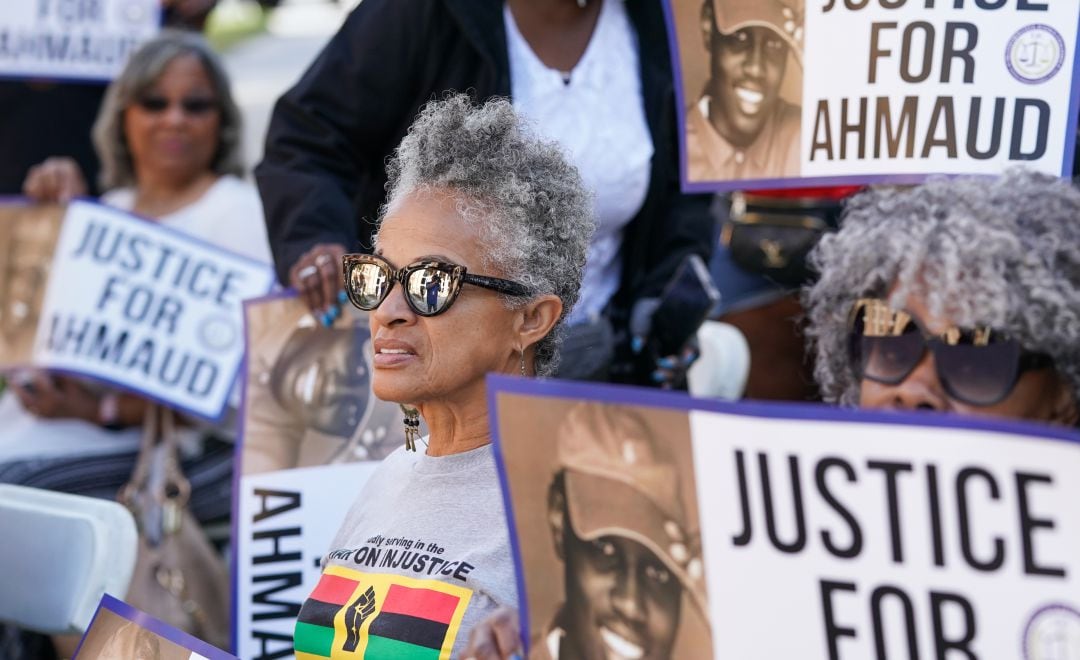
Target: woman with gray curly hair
956,295
479,258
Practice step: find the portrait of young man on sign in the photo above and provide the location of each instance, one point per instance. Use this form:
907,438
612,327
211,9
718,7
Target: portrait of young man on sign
309,399
745,123
630,553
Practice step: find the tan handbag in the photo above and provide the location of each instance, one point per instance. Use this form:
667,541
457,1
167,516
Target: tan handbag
178,576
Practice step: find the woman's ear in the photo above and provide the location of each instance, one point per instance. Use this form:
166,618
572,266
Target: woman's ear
538,318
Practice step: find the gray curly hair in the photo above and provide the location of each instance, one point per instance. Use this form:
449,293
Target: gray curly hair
142,71
1001,252
529,203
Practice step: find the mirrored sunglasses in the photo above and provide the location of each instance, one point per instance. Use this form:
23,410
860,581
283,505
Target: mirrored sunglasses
191,105
977,366
431,287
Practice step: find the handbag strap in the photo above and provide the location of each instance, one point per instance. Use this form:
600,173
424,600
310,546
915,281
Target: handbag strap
158,434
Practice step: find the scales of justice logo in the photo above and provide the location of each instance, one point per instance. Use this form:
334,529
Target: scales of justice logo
1035,54
1053,633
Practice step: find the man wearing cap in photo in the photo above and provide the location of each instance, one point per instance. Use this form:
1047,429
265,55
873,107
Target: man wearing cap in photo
631,553
741,128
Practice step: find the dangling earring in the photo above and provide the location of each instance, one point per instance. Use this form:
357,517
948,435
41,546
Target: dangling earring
412,426
523,374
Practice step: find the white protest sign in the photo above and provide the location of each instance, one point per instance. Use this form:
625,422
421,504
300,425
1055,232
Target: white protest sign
147,308
286,521
73,39
119,630
312,432
786,93
866,540
953,88
775,531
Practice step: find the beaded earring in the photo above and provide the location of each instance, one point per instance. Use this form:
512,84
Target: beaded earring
412,427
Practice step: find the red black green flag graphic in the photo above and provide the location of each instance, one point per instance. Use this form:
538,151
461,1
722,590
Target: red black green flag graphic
356,615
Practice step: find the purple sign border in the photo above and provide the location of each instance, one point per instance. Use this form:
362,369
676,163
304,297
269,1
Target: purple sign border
556,389
156,626
807,182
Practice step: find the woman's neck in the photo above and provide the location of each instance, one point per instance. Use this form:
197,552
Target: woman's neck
157,197
558,31
456,428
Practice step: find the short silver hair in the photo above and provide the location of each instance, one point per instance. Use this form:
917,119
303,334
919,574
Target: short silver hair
532,209
143,69
1002,252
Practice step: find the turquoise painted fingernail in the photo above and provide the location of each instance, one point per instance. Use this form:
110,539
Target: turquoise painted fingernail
657,377
342,297
636,344
666,363
326,319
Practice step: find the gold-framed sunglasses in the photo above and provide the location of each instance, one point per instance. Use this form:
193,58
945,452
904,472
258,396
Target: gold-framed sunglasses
979,366
431,287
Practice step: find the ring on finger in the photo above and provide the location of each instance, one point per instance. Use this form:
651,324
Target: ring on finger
323,259
306,272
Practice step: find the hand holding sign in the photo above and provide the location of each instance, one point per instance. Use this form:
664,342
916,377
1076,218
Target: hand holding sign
55,396
56,180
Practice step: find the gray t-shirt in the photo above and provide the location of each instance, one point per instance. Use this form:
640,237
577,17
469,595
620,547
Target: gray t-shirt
422,557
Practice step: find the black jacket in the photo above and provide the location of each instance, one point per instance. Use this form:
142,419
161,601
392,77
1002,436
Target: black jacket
323,175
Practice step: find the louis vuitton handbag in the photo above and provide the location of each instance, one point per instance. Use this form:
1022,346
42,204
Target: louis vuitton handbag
178,577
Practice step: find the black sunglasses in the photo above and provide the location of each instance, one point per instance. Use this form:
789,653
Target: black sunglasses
430,286
191,105
977,366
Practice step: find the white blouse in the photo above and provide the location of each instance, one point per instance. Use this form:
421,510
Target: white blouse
229,215
598,117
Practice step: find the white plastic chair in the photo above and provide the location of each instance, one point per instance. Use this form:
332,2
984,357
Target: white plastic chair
724,365
60,553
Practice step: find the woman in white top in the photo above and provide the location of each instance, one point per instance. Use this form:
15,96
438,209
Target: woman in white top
168,137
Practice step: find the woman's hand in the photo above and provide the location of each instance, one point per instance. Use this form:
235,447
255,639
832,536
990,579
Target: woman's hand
56,180
317,276
668,371
55,397
497,637
671,370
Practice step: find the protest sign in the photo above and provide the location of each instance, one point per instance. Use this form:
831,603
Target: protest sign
28,235
118,630
73,39
786,93
312,432
641,521
139,305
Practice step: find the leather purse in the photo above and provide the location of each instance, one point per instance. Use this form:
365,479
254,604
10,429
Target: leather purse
179,577
773,236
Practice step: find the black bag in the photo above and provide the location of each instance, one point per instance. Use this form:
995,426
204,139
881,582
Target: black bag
772,236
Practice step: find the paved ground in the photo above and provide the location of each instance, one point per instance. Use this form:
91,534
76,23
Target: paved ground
265,65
